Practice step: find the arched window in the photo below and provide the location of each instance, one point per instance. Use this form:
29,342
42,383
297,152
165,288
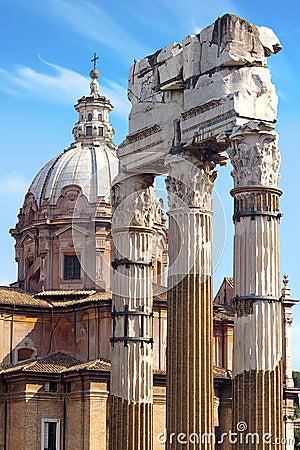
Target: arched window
25,353
24,350
90,116
99,116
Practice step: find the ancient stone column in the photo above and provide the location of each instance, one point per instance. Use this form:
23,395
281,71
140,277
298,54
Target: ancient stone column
131,389
190,392
257,352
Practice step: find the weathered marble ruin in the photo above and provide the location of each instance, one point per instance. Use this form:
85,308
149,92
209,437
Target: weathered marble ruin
190,103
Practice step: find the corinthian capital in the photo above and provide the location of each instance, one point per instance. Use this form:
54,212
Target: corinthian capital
190,182
254,155
133,201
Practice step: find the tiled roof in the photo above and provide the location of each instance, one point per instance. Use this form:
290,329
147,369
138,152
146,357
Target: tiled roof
12,297
96,297
4,366
54,363
229,280
96,364
60,362
219,372
159,292
223,312
64,293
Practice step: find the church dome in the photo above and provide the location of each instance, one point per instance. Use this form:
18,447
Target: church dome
90,162
92,167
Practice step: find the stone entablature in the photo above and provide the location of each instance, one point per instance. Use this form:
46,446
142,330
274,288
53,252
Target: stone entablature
188,94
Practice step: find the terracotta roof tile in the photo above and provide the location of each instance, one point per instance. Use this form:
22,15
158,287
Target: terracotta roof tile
64,293
229,280
159,291
97,297
220,372
96,364
54,363
12,297
4,366
223,311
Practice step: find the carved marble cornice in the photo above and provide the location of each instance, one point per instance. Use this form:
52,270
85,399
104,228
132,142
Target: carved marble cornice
254,155
190,182
133,200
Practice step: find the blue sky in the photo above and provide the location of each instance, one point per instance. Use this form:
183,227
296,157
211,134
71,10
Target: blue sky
46,47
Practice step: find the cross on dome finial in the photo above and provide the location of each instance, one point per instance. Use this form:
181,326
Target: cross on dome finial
94,73
94,60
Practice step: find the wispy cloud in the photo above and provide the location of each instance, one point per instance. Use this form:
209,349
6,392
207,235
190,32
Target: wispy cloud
62,85
200,14
93,21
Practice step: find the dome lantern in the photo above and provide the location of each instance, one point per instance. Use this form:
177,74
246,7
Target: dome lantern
93,124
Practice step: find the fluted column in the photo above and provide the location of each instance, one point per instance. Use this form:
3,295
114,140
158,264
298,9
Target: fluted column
131,388
190,393
257,350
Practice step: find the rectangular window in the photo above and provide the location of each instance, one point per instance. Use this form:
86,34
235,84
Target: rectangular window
50,434
100,131
89,131
72,268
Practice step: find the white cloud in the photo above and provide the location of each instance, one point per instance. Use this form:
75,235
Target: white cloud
61,86
200,13
94,22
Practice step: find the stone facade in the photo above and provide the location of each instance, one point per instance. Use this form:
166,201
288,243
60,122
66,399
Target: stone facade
69,336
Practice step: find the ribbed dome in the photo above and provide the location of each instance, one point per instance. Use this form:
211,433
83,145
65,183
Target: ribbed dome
92,167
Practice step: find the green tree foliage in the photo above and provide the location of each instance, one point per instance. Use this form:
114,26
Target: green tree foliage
296,378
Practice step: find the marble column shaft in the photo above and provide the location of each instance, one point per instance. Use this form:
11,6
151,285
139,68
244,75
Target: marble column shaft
131,400
257,351
190,392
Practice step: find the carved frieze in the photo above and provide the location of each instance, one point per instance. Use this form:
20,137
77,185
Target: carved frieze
254,155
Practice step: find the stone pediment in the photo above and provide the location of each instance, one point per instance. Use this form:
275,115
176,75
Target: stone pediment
71,229
27,238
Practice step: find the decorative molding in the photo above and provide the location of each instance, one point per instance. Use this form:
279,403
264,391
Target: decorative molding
193,112
254,155
140,135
